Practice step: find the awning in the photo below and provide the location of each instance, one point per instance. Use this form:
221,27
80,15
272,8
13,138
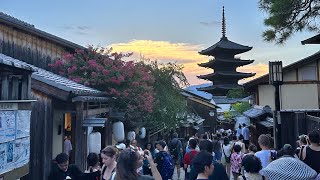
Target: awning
94,122
257,111
268,123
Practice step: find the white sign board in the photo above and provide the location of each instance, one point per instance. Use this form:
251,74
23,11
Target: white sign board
14,138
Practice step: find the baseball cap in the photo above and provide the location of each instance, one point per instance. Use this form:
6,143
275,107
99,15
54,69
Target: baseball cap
161,142
121,146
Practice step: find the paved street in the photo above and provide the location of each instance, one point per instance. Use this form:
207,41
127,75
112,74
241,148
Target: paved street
175,175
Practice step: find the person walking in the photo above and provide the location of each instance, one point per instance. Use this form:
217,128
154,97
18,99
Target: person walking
163,161
239,131
226,153
236,159
311,154
188,157
176,152
246,135
252,166
265,154
203,165
67,146
219,172
108,156
93,171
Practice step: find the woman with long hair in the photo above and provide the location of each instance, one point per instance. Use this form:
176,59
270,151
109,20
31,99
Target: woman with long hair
128,163
108,156
146,169
226,154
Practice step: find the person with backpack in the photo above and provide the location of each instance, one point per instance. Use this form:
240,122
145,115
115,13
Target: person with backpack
163,161
188,157
176,152
265,155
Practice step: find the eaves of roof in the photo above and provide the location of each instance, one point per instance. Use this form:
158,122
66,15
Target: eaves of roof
21,25
313,40
54,80
265,78
205,103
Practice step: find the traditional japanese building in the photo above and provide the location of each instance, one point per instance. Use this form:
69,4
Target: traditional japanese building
224,64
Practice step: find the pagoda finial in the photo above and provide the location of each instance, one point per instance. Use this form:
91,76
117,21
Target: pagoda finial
223,23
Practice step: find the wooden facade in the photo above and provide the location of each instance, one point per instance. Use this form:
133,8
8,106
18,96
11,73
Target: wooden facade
15,88
24,43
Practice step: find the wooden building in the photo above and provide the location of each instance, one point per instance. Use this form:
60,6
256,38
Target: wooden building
62,107
60,103
15,112
224,63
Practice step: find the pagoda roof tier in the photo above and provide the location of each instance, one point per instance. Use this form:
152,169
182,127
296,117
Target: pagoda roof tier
220,89
225,46
236,62
238,75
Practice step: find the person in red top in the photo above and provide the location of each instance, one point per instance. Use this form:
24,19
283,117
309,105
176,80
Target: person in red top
189,156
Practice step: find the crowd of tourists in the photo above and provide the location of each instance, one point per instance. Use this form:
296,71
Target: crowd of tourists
221,156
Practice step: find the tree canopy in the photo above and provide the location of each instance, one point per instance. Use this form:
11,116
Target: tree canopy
286,17
147,91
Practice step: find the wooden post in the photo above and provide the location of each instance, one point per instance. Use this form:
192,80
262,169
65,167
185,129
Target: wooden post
15,88
79,137
5,87
26,86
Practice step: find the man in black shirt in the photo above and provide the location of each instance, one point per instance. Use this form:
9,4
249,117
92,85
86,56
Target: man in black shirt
219,172
61,169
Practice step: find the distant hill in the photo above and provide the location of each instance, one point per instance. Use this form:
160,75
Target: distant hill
193,89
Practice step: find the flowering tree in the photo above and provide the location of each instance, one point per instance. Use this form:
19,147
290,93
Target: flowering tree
130,83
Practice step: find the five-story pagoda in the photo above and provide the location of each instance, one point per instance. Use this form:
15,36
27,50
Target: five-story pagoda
225,76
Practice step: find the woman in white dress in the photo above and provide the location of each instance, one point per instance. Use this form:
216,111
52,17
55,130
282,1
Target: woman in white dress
226,153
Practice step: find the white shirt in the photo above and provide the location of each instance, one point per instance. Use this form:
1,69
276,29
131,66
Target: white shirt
226,150
67,146
264,156
246,133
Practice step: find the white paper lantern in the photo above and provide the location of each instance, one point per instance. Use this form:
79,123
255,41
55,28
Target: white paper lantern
131,135
118,131
95,142
142,133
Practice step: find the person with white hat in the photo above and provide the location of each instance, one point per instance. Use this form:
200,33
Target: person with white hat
121,146
288,167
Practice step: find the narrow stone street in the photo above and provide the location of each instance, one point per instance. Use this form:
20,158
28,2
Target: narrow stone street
175,175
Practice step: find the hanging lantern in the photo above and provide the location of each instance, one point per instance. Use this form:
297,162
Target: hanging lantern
118,131
131,135
142,133
95,142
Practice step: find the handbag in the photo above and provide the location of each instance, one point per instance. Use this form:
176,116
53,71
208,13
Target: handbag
226,157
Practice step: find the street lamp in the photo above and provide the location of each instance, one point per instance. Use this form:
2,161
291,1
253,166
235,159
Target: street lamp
276,79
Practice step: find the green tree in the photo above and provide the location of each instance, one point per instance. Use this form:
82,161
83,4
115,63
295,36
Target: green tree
237,93
169,103
241,107
285,17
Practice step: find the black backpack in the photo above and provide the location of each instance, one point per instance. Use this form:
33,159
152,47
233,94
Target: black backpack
174,151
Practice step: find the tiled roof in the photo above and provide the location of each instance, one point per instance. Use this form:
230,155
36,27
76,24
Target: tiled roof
51,79
223,45
257,111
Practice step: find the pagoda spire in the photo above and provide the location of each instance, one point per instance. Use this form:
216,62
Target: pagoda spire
223,23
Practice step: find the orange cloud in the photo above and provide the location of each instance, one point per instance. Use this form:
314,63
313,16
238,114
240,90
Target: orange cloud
182,53
161,50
